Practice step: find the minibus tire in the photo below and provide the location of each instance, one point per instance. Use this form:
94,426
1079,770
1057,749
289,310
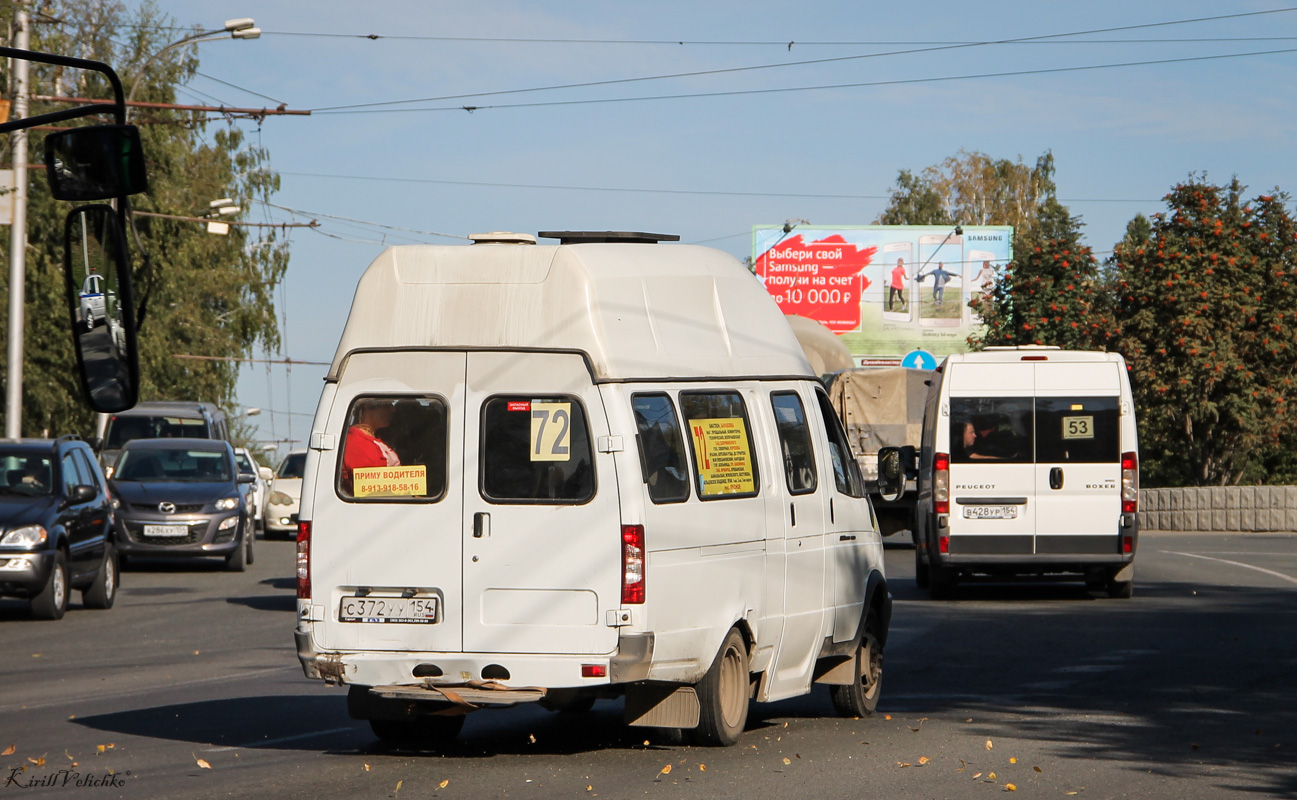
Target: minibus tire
921,570
420,731
723,695
854,699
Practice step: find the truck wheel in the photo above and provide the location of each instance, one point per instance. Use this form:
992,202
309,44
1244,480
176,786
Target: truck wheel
52,602
420,731
723,695
103,591
921,573
860,698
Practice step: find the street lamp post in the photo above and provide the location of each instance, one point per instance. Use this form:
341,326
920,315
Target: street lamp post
242,28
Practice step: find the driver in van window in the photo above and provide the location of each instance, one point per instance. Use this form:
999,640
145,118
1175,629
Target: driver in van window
991,441
363,447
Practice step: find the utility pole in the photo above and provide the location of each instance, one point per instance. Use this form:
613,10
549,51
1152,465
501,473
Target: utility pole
18,233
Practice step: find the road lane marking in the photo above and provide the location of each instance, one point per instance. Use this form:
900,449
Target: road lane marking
280,740
1271,572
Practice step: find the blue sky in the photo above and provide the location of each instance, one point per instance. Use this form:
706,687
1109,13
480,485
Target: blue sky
710,166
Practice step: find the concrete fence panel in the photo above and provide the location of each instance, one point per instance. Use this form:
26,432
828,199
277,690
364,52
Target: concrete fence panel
1219,508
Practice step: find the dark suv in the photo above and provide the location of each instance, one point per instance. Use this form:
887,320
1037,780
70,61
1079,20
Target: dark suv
56,525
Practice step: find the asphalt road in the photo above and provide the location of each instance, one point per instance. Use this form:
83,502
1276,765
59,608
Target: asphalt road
1189,690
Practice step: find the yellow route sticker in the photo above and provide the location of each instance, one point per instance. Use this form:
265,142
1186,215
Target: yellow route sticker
723,455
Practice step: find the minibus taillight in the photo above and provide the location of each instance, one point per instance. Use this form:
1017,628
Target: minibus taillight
304,560
1129,483
632,562
941,483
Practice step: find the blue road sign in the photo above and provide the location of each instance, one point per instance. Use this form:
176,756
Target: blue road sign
919,359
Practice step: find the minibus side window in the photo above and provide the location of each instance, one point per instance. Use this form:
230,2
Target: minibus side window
720,439
991,429
394,450
846,472
536,450
794,442
661,448
1077,430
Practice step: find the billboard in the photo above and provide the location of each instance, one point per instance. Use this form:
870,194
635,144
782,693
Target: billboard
886,290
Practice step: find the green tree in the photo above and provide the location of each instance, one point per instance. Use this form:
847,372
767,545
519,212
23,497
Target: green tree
1207,301
1052,293
972,189
199,294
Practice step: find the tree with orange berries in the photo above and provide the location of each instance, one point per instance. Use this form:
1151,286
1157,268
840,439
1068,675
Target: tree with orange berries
1207,298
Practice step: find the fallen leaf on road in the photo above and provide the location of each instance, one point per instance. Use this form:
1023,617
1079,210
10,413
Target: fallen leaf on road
977,775
398,787
40,762
666,770
887,716
366,768
100,748
531,737
903,764
443,784
702,767
1013,761
1036,769
200,762
961,765
989,745
923,760
589,788
786,761
990,776
10,750
1009,787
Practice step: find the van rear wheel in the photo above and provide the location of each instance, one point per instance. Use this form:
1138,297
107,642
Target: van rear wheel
723,695
860,698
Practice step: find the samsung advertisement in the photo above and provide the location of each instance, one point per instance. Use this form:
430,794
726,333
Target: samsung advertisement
886,290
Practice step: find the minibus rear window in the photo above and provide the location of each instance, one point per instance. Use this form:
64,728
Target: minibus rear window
661,448
394,450
536,450
721,441
1077,430
991,429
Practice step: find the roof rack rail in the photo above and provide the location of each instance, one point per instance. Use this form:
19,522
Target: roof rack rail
608,237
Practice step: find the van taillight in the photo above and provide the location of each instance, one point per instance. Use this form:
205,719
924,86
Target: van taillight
941,483
632,562
1129,483
304,561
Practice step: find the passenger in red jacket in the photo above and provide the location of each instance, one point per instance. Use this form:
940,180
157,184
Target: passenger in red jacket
363,448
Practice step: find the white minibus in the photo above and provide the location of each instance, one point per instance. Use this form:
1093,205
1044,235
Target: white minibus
1028,465
601,468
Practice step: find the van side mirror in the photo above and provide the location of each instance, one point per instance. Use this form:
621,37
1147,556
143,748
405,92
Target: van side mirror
266,474
895,466
96,162
97,275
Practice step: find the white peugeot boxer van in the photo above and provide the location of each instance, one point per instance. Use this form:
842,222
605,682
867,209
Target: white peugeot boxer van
1028,465
606,469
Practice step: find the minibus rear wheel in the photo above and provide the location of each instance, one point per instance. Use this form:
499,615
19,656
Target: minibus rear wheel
860,698
723,695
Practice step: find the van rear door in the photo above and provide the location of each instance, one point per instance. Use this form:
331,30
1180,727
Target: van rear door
1078,458
542,542
992,475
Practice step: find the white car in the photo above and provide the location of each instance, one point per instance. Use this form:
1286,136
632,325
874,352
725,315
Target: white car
285,495
256,491
94,308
